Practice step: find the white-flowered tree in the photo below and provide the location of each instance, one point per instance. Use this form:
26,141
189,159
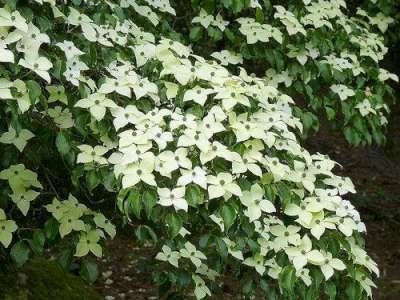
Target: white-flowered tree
103,105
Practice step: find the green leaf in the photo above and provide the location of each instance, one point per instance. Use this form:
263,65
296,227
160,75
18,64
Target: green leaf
63,143
214,33
144,232
228,214
89,271
196,33
37,243
149,199
287,279
135,202
92,180
194,195
20,253
51,229
174,223
330,290
65,259
34,91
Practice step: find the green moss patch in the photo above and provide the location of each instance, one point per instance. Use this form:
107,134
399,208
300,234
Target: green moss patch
43,280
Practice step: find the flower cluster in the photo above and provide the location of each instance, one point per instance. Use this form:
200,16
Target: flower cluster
315,44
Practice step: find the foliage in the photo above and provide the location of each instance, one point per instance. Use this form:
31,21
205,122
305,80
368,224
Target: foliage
315,53
102,105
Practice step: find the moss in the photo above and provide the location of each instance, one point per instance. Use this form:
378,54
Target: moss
43,280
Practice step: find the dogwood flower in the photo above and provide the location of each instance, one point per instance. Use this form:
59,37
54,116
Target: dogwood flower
304,274
365,282
222,185
192,137
62,118
103,223
343,91
91,154
216,149
226,57
190,252
219,22
219,221
330,264
197,175
70,221
7,227
57,93
18,139
121,86
365,108
97,104
40,65
200,290
255,203
304,215
23,200
69,49
168,255
175,198
257,262
303,254
141,171
19,178
89,242
12,19
198,95
203,18
285,236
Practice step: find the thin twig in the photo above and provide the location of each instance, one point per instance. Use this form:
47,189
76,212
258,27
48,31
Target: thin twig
51,184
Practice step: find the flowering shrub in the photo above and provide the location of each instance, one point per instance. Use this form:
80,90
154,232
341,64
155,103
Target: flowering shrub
312,50
98,106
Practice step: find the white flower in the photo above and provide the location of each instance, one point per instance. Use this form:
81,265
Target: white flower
13,19
136,172
255,203
303,254
222,185
203,18
197,175
19,139
197,94
227,57
257,262
220,22
121,85
365,108
216,149
97,104
330,264
40,65
193,254
168,255
285,236
343,91
175,197
200,290
192,137
69,49
91,154
126,115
